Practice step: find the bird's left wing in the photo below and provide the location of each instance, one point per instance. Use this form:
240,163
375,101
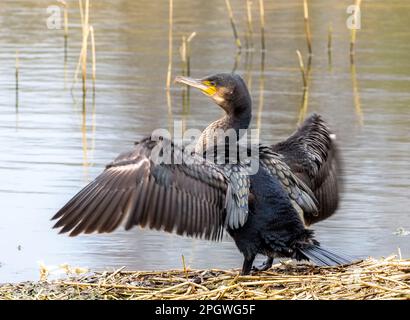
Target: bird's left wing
189,196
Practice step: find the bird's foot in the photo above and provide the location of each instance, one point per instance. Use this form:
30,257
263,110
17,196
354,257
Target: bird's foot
264,266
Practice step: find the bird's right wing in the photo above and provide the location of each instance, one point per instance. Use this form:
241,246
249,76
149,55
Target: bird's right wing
311,153
194,197
302,198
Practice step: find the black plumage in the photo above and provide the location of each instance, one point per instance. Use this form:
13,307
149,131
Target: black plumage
265,213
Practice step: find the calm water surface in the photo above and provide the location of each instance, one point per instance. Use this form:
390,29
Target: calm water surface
50,149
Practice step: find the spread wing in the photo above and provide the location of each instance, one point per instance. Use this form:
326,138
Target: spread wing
186,195
299,193
312,155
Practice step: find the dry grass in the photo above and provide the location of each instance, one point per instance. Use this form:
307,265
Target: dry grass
370,279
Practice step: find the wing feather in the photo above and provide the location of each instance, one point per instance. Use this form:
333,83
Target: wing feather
311,153
193,198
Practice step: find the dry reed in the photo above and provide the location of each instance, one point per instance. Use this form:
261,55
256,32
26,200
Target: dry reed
261,93
17,73
262,18
307,26
353,33
235,33
65,6
93,54
356,94
370,279
185,51
305,96
85,33
302,68
82,59
329,44
170,49
249,32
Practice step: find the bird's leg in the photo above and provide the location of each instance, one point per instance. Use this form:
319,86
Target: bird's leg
247,265
264,266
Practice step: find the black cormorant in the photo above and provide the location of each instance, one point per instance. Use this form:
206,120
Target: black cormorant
265,213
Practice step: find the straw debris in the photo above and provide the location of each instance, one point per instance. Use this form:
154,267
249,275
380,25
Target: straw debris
370,279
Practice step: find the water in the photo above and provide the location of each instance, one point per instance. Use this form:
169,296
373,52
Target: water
50,150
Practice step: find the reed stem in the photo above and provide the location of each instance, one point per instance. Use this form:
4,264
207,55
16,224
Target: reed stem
84,13
169,72
305,96
188,49
356,94
329,37
84,139
262,18
17,78
184,266
17,67
237,60
93,54
302,68
235,33
353,33
249,24
261,93
65,5
183,52
80,3
329,45
248,69
307,26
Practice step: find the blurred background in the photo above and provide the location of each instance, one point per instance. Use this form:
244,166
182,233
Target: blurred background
53,140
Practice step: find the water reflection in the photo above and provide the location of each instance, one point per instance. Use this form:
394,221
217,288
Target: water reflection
58,146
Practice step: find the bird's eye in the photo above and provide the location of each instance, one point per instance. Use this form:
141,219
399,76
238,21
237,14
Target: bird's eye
212,83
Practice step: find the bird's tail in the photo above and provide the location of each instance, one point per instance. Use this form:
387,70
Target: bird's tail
324,257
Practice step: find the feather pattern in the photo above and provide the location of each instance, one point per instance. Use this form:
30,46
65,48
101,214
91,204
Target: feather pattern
196,198
311,153
299,193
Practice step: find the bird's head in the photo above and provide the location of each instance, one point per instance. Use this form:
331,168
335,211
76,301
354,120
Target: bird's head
228,90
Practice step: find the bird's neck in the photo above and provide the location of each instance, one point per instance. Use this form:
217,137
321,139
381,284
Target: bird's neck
237,117
236,122
238,113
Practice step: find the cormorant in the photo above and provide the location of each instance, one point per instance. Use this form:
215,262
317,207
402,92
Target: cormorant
265,213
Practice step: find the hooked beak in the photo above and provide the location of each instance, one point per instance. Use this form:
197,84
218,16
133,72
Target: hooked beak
203,85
